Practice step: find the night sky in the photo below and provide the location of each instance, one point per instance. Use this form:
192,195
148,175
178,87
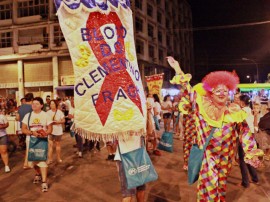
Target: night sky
222,49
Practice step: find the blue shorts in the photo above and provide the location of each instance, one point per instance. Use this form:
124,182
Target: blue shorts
4,140
123,181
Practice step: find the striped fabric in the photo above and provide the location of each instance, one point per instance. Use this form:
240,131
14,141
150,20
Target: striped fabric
189,127
189,136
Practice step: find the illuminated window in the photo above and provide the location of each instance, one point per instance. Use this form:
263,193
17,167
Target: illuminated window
5,11
5,39
33,7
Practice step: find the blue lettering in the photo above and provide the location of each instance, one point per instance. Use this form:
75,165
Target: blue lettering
94,76
98,38
112,32
85,34
137,75
121,94
131,68
94,99
113,64
105,50
122,32
125,32
87,85
118,47
107,95
101,71
77,90
131,91
106,67
123,63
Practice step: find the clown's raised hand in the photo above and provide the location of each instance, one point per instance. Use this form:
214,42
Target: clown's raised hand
174,64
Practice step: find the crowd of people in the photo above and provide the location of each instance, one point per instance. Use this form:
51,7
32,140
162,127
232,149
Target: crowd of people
40,119
49,120
9,105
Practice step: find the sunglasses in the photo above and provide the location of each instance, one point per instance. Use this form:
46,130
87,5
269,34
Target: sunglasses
220,92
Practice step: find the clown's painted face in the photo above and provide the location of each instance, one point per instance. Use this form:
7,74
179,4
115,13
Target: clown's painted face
220,95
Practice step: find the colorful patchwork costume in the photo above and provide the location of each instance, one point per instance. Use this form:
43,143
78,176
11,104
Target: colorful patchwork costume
189,134
217,160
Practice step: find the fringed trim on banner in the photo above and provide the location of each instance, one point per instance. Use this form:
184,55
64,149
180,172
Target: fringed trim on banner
107,137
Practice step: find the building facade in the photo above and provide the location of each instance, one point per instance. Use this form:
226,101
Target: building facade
34,56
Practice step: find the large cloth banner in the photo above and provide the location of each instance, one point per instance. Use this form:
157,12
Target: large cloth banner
154,83
108,92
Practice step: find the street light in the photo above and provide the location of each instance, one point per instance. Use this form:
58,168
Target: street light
247,59
248,77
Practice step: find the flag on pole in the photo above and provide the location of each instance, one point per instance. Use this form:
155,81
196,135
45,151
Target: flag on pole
154,83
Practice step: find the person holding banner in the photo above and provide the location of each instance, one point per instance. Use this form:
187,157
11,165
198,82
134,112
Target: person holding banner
214,118
127,194
108,91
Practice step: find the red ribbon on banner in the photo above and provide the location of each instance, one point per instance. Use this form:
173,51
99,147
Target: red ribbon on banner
117,82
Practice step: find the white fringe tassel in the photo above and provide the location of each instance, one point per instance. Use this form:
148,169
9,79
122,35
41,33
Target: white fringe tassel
107,137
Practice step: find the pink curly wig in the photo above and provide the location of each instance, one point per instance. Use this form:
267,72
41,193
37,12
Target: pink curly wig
213,79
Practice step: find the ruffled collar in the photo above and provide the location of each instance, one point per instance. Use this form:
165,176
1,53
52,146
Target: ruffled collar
214,112
217,115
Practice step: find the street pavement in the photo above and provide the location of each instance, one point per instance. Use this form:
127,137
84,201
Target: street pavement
92,179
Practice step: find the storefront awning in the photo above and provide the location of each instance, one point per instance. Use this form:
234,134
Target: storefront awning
65,88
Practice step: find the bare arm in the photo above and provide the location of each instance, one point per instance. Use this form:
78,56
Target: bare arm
49,129
27,131
17,117
3,126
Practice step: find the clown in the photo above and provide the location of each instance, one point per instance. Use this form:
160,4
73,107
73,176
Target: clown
209,109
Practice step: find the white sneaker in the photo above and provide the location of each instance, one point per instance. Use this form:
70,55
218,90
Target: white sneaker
80,154
7,169
44,187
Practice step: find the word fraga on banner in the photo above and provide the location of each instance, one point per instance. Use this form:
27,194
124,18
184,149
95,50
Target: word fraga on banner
108,92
